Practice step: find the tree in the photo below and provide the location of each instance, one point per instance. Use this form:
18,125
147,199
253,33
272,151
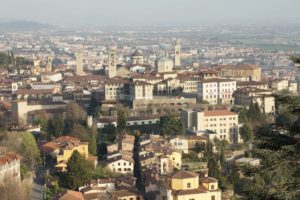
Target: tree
122,119
78,171
93,108
213,167
58,122
171,124
74,115
50,129
93,141
29,150
246,133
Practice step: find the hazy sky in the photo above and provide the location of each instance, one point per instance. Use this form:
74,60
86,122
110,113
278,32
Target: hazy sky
145,12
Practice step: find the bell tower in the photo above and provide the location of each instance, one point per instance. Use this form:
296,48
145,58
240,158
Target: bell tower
177,50
112,67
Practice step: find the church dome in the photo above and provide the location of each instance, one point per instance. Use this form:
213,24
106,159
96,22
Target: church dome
137,53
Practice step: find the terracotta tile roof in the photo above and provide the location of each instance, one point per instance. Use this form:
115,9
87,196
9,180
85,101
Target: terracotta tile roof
5,105
38,91
66,142
122,193
211,113
188,192
9,157
217,80
208,180
182,174
72,195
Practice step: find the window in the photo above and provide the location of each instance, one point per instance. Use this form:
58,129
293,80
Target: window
188,185
212,187
213,197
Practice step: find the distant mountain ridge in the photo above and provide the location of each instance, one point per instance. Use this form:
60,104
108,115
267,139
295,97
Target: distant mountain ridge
23,26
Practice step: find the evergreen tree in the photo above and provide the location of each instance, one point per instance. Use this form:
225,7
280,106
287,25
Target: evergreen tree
122,119
78,171
246,133
93,108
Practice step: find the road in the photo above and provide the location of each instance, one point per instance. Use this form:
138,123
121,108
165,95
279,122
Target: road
38,185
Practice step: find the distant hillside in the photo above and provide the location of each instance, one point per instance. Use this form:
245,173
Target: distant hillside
16,26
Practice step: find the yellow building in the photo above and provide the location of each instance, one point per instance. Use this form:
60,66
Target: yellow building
184,185
62,148
242,72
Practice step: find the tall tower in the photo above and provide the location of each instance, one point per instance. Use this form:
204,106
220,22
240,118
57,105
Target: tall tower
49,64
112,67
79,63
177,50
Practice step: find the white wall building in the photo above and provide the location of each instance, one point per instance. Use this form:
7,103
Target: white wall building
223,123
216,91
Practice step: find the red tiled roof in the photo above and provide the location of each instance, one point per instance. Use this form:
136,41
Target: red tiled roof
210,113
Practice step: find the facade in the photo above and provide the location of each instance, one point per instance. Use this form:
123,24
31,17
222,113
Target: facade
121,164
10,166
223,124
263,97
186,143
116,89
62,148
183,185
164,64
137,58
217,91
279,85
242,72
112,65
141,90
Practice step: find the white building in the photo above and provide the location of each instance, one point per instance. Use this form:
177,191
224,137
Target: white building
223,124
121,164
216,91
10,166
164,64
141,90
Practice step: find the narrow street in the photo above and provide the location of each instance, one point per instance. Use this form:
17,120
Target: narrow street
38,185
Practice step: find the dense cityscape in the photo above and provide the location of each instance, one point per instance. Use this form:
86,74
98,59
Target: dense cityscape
156,112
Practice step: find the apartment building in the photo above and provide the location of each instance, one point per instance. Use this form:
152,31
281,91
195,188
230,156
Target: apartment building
246,96
9,165
116,89
141,90
188,185
216,91
280,84
242,72
62,148
222,124
121,164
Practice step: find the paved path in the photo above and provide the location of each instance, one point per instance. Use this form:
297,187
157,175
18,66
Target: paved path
37,186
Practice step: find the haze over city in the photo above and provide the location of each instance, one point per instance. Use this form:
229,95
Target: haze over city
149,99
159,12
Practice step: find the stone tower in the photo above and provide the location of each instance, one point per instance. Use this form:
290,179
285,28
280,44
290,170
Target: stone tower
79,63
49,64
177,50
112,66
